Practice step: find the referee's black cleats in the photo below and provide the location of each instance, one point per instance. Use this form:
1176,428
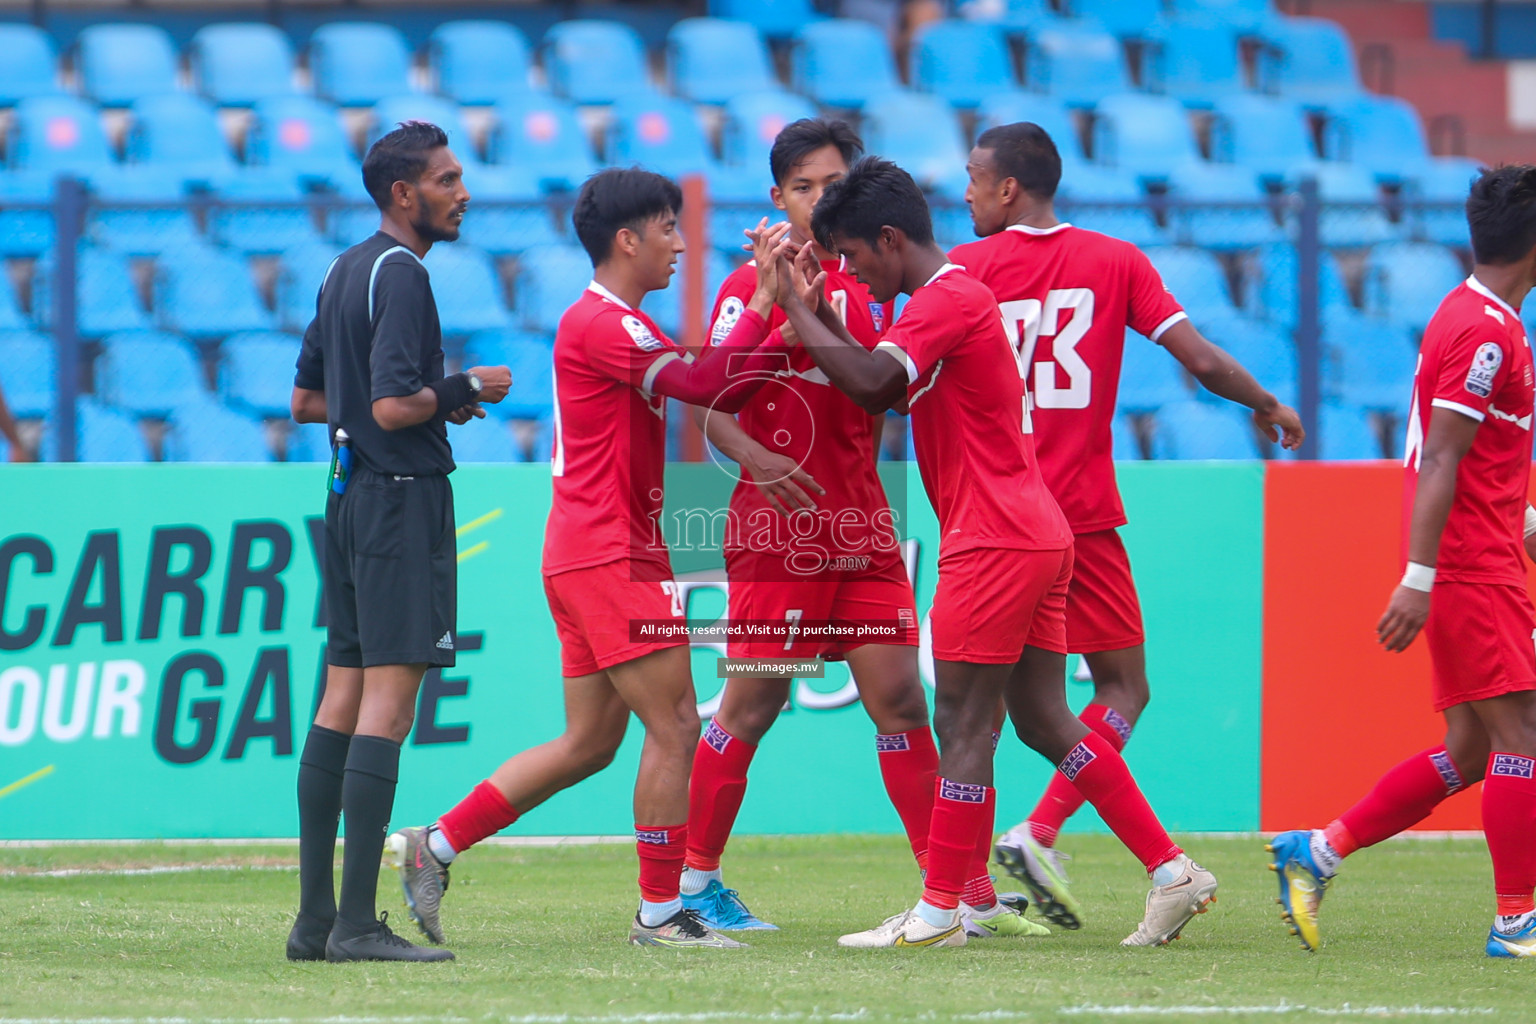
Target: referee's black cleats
378,943
306,941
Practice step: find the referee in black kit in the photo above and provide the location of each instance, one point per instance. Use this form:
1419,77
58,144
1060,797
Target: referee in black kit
372,365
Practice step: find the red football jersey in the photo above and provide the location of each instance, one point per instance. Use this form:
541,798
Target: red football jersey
803,416
610,436
970,420
1475,360
1067,296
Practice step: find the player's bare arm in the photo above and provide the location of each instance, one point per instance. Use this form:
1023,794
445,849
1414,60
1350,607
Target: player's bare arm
782,480
1450,437
447,398
875,382
1224,376
307,406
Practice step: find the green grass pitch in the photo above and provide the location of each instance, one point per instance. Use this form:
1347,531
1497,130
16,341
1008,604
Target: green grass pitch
540,938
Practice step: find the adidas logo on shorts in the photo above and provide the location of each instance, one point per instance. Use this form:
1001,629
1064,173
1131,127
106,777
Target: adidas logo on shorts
446,643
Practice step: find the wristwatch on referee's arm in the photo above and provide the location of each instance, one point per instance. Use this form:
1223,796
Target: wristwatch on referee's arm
474,386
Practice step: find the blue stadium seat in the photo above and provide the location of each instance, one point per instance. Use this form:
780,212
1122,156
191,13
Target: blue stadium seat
541,133
965,62
357,63
102,434
148,229
1222,228
57,135
753,120
1442,180
1405,281
207,292
590,61
237,64
25,232
302,136
122,63
309,442
776,19
1047,112
478,62
355,217
179,135
1271,290
1195,60
549,279
389,113
1270,136
709,60
1196,278
1126,18
487,440
298,283
1078,63
508,212
1082,198
1016,17
1265,350
1127,446
659,133
1246,15
1346,433
256,372
147,373
1193,429
1310,60
532,363
1352,214
107,300
467,288
922,134
11,316
1369,363
842,62
30,67
1380,133
1150,377
28,373
206,431
281,221
1145,135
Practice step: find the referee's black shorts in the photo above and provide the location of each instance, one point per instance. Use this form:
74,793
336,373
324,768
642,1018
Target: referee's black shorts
391,571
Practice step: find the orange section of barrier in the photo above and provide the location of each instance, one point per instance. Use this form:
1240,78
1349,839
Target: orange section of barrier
1338,710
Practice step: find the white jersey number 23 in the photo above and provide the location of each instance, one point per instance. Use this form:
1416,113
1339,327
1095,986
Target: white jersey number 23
1027,320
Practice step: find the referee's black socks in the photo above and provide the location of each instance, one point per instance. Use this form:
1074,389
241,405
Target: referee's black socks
320,775
367,798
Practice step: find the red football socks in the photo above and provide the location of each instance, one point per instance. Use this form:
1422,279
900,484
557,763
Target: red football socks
909,763
478,816
661,860
979,891
960,812
1509,821
1061,799
715,792
1402,798
1100,774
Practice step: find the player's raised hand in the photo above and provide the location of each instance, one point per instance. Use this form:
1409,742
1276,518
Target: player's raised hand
1403,619
783,481
768,246
495,382
809,279
1281,420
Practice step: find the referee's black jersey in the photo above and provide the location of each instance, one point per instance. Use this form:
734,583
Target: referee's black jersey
376,335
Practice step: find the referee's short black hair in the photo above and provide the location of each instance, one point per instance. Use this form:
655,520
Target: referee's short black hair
1501,213
1026,153
803,137
875,194
620,197
401,155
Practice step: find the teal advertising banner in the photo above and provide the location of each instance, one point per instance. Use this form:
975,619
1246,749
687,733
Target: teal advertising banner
160,649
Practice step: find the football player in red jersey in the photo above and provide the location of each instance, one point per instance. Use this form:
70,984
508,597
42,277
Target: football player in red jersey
1005,554
1067,296
606,566
828,558
1466,526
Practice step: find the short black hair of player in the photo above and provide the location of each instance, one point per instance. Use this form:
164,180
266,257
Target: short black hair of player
875,194
620,197
1026,153
400,155
1501,213
803,137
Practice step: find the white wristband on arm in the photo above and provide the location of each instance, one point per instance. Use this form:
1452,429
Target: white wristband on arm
1530,520
1419,577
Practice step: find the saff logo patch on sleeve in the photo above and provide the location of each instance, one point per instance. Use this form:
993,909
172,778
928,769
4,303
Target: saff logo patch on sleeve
730,312
642,335
1485,363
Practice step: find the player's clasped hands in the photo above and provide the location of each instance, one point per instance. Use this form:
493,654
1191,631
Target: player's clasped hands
1403,619
495,382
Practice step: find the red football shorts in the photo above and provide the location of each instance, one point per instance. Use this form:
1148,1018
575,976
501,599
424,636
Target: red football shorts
593,609
1482,641
992,602
1103,611
764,589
